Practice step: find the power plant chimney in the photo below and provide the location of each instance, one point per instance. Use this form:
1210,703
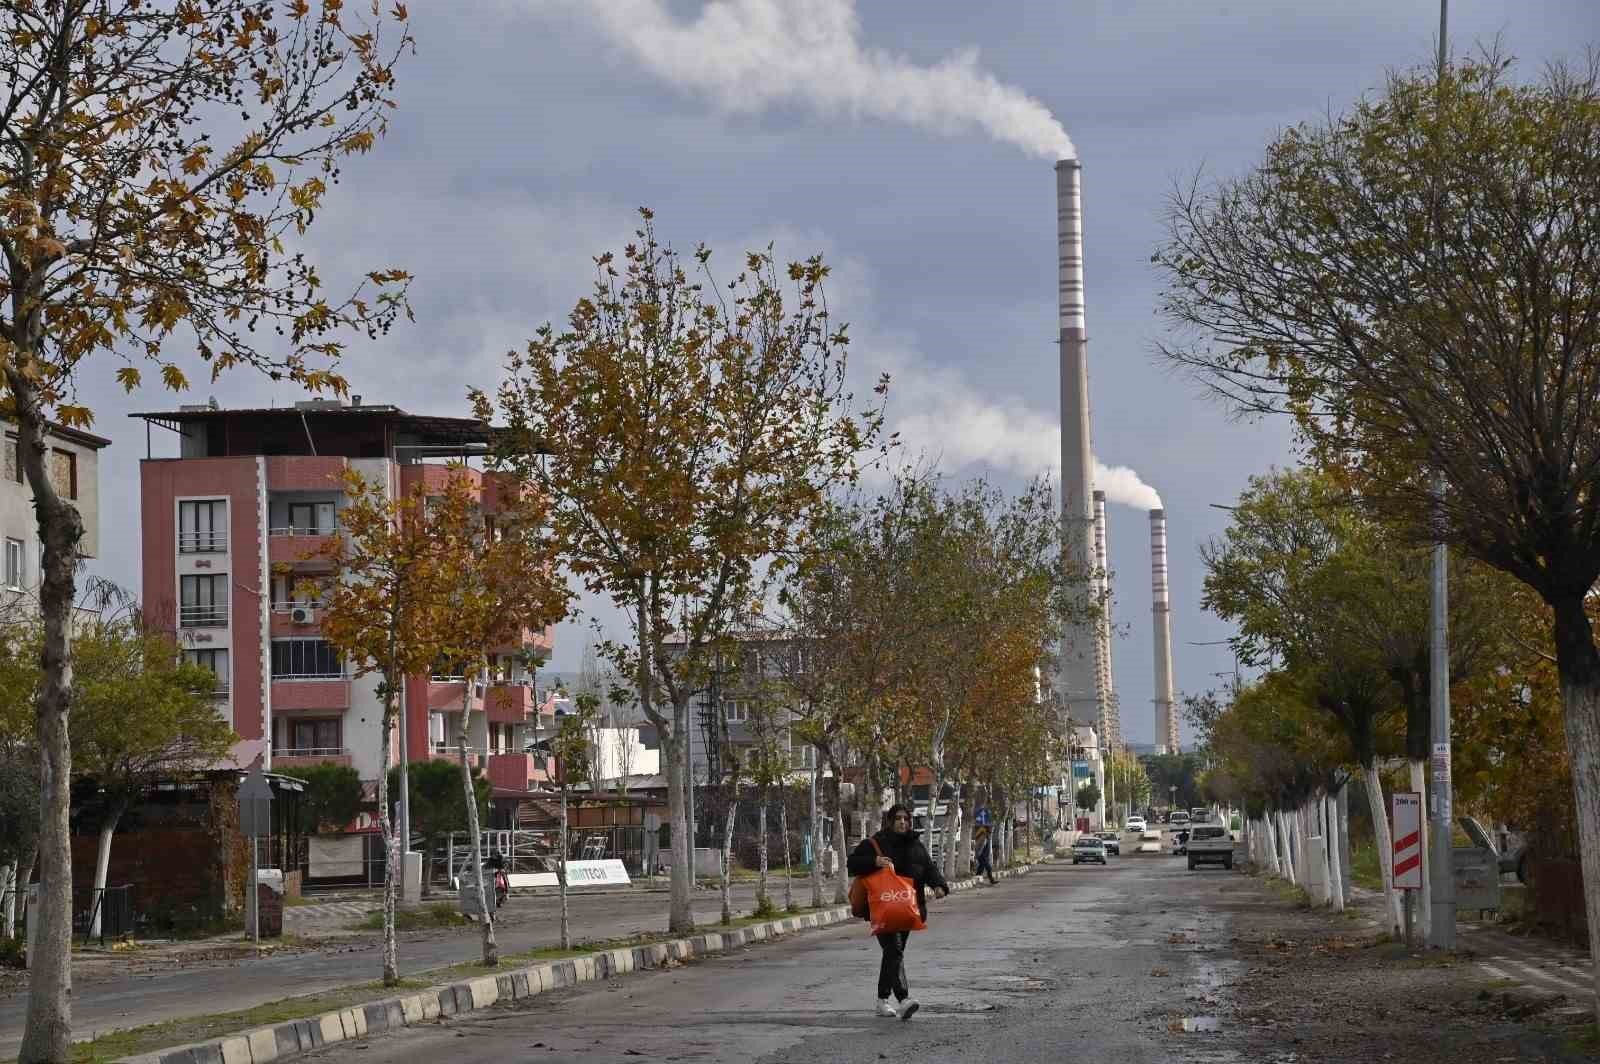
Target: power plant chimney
1109,721
1079,688
1161,614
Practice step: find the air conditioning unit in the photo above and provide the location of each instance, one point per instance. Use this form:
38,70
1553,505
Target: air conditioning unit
303,615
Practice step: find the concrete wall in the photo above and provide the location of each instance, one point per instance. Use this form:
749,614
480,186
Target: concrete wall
17,519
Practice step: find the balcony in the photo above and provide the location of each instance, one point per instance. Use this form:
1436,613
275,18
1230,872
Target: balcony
297,546
445,694
509,703
203,542
211,615
305,472
511,772
309,757
282,622
309,693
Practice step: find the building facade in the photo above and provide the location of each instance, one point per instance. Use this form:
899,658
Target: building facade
74,463
230,532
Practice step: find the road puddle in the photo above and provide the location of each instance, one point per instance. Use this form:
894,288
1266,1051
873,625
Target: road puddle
1200,1025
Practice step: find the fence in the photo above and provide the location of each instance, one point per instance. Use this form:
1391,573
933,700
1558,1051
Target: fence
540,851
114,905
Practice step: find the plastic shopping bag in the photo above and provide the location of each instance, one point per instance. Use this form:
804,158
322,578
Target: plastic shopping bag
892,900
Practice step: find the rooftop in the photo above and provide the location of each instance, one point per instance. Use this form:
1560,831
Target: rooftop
78,436
330,427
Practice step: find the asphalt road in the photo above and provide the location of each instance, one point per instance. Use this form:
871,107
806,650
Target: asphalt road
1083,963
126,991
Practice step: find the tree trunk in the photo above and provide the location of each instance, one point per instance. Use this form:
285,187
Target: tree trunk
1330,815
871,803
1380,827
763,903
969,813
8,890
816,840
1578,663
102,861
566,848
681,913
47,1035
1346,878
491,948
1274,864
841,892
391,843
727,861
1286,841
783,830
1419,783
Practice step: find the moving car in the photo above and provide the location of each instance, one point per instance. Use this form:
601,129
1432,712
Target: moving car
1199,815
1178,819
1112,840
1135,823
1088,848
1210,844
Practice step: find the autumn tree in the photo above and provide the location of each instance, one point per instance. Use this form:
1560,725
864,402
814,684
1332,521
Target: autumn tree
162,164
499,565
438,805
141,715
766,761
386,616
683,432
1414,281
570,748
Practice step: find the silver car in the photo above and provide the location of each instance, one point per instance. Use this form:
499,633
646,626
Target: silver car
1112,840
1088,848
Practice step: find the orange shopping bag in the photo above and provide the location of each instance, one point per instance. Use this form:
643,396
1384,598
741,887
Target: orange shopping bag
892,900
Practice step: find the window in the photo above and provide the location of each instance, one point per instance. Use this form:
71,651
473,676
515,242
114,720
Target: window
305,659
291,591
801,755
316,737
16,570
310,518
13,459
203,601
217,662
735,711
64,473
203,527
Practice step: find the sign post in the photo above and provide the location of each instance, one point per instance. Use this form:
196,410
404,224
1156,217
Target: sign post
255,820
1407,858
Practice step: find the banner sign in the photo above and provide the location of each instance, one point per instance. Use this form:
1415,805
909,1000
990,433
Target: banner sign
1407,840
1439,793
597,874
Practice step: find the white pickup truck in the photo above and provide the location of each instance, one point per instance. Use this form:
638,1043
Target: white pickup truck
1210,844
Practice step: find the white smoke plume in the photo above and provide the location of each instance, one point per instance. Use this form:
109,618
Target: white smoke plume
937,413
747,55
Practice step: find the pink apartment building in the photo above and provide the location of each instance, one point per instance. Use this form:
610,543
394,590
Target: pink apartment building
254,492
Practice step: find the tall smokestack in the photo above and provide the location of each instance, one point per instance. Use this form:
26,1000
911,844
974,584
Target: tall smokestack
1161,614
1109,721
1078,683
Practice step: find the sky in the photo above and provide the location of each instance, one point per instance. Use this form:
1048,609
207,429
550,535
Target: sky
912,145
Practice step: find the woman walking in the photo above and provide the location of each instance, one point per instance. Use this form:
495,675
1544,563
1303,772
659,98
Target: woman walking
897,848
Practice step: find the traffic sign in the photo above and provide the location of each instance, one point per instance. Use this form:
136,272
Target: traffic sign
981,817
1407,840
255,805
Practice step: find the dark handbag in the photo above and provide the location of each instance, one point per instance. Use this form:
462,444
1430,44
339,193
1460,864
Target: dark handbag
858,890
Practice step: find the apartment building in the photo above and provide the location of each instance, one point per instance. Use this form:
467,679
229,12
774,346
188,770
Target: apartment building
230,531
73,460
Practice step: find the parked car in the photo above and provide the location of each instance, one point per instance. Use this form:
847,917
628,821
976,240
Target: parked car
1210,844
1112,840
1134,824
1088,848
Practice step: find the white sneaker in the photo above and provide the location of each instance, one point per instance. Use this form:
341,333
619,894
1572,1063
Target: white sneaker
885,1008
908,1008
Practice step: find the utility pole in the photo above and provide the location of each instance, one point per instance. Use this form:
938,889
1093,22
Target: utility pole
1442,881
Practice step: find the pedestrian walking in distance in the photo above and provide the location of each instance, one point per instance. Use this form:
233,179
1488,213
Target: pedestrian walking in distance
985,854
904,853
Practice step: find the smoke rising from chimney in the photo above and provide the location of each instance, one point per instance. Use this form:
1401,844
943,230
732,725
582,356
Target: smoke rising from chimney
748,55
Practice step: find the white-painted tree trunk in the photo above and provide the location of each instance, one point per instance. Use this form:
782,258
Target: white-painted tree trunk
102,867
1330,817
491,948
1269,843
840,844
566,850
1582,704
1419,783
816,841
391,841
783,832
1346,876
1380,825
727,862
1286,841
762,901
8,891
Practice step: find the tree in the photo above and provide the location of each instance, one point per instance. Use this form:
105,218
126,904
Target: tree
766,760
500,569
570,746
438,806
386,615
1089,796
333,796
162,163
141,715
683,433
1415,280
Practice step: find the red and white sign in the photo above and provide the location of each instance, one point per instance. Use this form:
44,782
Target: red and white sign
1407,840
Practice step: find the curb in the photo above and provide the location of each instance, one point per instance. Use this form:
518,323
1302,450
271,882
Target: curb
293,1038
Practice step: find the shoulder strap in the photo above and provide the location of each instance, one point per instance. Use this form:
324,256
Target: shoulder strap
875,845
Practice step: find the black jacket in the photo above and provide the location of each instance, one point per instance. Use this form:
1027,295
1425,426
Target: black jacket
910,859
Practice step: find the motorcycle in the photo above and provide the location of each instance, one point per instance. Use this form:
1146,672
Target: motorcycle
1180,844
502,887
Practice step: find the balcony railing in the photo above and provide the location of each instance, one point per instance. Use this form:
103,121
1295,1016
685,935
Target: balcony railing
300,530
202,542
290,607
310,751
208,616
221,692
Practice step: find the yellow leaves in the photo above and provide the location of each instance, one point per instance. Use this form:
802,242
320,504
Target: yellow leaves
299,9
78,417
173,379
129,377
196,160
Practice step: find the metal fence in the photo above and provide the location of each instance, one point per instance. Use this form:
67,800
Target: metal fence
114,906
540,851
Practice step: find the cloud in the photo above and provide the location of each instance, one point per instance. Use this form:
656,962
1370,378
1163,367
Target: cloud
746,56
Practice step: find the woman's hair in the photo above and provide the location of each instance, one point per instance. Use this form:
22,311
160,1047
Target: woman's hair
894,811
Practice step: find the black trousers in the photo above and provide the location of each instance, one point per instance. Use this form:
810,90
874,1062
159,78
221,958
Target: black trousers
984,867
892,968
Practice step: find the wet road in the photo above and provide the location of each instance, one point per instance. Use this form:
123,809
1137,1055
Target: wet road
1084,963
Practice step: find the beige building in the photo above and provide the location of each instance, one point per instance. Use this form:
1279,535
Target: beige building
74,459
